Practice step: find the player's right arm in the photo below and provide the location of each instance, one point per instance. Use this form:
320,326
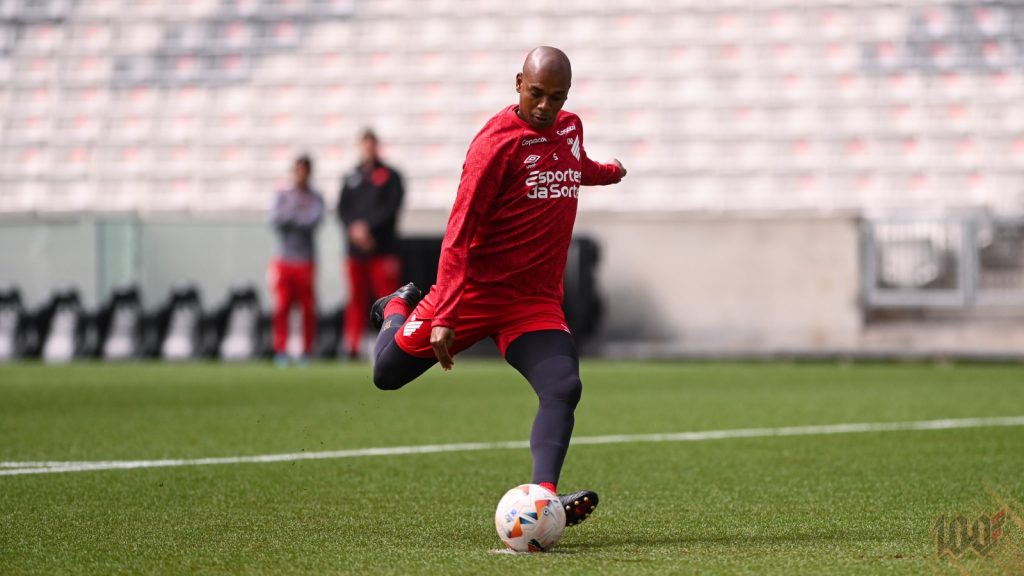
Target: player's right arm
482,175
309,212
344,202
281,210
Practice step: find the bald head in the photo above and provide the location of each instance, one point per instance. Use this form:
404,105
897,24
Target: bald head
543,86
547,60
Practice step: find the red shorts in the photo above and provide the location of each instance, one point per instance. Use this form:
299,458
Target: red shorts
481,315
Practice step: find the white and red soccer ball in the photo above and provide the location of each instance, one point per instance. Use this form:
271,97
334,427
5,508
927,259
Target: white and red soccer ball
529,518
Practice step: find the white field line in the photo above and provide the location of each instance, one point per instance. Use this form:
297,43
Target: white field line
56,467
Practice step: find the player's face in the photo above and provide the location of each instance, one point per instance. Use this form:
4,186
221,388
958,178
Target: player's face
368,150
300,173
541,97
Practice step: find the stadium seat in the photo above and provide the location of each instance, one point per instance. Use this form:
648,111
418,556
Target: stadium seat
98,10
184,127
241,7
37,10
329,334
138,36
89,37
333,8
174,194
232,332
40,38
13,325
120,325
62,324
176,327
584,306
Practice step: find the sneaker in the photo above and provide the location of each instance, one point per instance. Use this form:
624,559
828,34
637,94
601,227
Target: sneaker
410,293
578,506
281,360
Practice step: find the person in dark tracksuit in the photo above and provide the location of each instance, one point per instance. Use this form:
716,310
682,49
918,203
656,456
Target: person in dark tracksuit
371,197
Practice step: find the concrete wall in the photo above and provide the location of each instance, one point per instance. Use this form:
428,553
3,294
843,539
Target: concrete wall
39,256
218,254
730,283
671,282
724,283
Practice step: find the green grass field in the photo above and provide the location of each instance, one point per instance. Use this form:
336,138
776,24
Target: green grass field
857,503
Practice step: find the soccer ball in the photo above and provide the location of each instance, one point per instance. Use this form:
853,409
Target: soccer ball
529,518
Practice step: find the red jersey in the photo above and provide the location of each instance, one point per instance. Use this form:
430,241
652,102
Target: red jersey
512,221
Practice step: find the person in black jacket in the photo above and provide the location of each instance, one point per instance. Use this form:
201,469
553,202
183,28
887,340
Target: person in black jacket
371,196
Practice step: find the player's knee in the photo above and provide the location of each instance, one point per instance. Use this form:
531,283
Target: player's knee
385,379
566,389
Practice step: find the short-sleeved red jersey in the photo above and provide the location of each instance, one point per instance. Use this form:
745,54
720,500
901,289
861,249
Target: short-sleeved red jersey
512,221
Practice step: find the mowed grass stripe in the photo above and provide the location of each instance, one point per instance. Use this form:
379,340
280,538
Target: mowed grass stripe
56,467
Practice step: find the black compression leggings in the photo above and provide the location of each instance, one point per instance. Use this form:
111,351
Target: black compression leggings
547,359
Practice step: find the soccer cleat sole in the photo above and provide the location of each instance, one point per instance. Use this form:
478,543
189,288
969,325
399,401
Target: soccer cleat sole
579,506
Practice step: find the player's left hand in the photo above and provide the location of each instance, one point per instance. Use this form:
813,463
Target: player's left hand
622,169
441,340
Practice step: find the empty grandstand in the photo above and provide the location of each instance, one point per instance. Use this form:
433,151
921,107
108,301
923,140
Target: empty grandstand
193,105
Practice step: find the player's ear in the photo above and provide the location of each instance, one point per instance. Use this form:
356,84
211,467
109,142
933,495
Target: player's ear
519,81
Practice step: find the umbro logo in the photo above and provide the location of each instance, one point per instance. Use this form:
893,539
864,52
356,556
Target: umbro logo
531,159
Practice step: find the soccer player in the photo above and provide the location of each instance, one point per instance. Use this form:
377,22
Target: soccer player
295,215
371,196
502,263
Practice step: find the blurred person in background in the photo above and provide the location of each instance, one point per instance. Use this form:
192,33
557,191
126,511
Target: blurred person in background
371,196
295,215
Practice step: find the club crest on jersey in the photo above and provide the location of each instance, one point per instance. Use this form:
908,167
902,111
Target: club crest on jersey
574,146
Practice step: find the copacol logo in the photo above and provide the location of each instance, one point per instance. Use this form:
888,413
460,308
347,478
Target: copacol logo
959,535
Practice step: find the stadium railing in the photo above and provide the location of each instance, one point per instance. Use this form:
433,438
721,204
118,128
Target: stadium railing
960,263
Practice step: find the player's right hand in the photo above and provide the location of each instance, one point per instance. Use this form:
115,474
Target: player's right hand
441,340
